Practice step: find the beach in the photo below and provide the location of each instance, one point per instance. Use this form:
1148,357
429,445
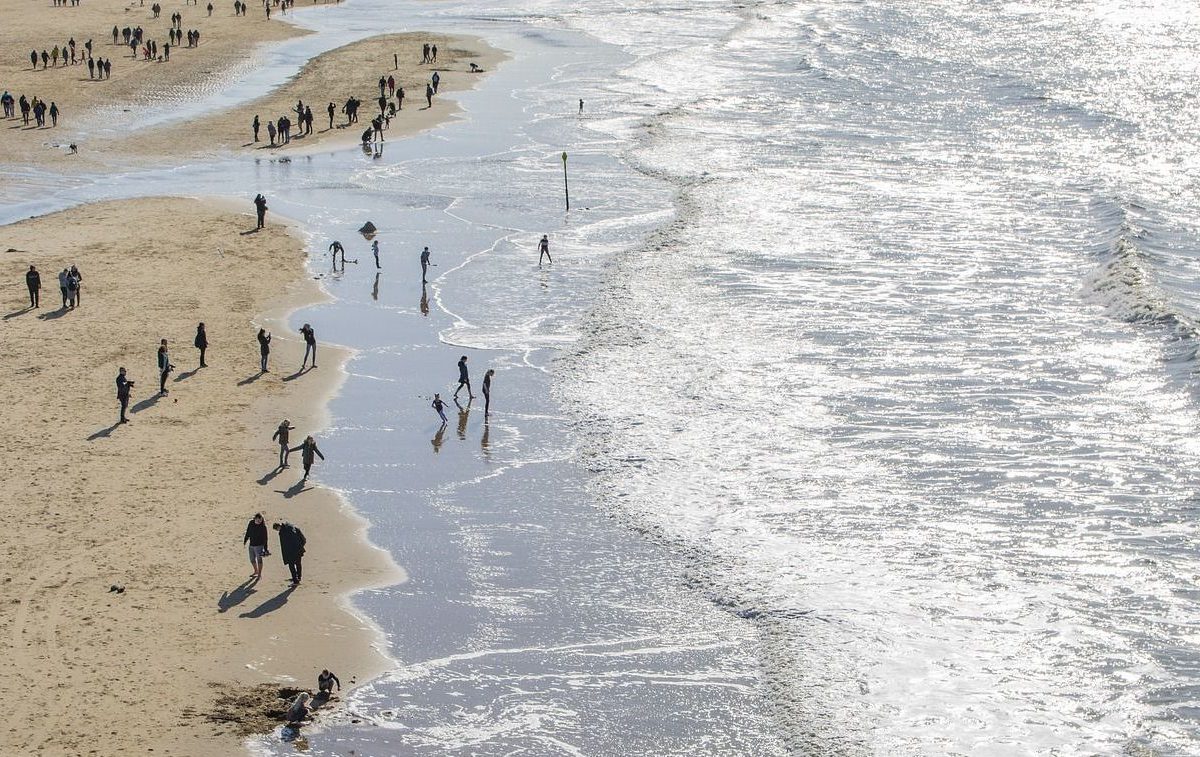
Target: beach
158,507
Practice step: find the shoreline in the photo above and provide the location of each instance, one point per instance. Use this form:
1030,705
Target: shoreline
169,629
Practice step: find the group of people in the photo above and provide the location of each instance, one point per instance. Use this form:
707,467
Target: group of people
70,282
281,128
36,108
67,54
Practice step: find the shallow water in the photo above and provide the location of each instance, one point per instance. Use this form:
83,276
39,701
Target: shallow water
854,415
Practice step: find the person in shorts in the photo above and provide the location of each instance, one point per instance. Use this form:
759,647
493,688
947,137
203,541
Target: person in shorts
256,541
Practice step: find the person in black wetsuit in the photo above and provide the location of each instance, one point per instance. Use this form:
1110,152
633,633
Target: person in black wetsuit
424,263
123,387
544,250
33,280
464,379
335,248
325,683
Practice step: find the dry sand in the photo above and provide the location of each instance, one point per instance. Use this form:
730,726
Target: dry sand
353,69
159,506
226,45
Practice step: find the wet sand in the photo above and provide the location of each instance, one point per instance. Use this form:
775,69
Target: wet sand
159,506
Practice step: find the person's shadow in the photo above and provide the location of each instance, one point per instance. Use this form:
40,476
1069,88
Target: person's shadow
186,375
250,379
297,374
17,313
103,433
299,487
146,404
231,599
271,605
54,314
268,478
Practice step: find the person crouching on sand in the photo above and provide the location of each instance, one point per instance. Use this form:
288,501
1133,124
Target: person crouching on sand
308,455
325,683
299,710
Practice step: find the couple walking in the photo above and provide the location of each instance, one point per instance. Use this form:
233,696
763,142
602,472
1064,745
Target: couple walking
291,546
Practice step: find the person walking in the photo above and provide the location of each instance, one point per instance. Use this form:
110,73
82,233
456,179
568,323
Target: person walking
260,206
464,378
256,543
487,391
291,548
544,250
33,280
424,263
201,343
124,385
308,455
310,344
282,435
164,367
440,407
436,79
264,349
375,251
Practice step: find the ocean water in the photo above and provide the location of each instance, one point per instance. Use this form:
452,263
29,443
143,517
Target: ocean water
855,415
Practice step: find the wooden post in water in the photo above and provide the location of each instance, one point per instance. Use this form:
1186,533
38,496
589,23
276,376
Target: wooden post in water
566,189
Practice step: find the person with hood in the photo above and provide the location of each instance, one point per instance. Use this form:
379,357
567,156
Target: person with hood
464,378
291,548
308,455
75,286
63,275
201,343
281,435
256,542
33,280
264,349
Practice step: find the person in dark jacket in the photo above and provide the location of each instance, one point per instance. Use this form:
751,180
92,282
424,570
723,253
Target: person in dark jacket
487,392
33,280
260,207
77,278
264,348
308,454
201,343
164,367
464,378
310,344
256,541
325,682
291,548
281,435
123,387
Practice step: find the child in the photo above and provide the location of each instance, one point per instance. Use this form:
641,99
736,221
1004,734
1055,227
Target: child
440,407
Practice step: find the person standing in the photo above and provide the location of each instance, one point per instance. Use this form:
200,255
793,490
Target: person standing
424,263
464,379
33,280
310,344
255,125
164,367
75,286
375,251
264,349
123,387
201,343
544,250
308,455
291,548
256,542
331,110
428,96
260,206
63,275
282,436
487,391
436,79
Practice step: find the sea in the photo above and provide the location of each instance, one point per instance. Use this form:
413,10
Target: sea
855,414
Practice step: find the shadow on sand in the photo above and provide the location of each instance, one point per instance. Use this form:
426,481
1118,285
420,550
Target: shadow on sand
103,433
271,605
231,599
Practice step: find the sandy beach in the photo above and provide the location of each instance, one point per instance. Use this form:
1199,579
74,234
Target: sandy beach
227,44
158,507
350,70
